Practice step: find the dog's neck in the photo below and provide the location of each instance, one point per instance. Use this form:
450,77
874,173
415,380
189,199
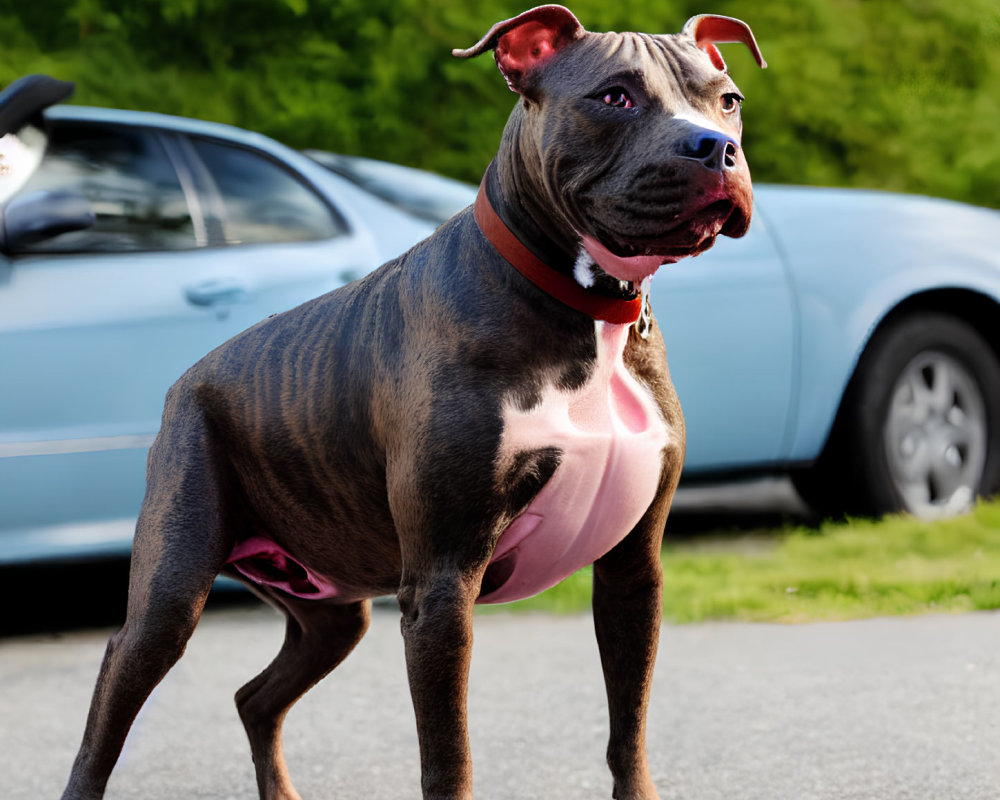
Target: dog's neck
538,224
567,289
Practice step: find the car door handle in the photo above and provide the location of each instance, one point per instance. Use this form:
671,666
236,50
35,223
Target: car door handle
216,292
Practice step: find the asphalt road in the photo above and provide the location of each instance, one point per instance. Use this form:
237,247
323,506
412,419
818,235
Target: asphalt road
887,708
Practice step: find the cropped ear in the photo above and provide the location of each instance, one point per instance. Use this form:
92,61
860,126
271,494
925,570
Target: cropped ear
527,41
707,29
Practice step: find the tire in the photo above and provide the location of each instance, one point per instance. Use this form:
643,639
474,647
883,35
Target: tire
919,426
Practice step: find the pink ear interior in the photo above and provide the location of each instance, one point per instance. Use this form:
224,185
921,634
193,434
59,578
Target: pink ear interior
527,41
708,29
527,46
714,54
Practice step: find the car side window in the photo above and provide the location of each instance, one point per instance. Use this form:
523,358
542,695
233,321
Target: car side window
261,201
131,185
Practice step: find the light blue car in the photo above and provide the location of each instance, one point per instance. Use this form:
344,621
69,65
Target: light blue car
139,244
851,339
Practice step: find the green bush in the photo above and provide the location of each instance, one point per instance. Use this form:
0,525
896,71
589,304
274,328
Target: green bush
893,94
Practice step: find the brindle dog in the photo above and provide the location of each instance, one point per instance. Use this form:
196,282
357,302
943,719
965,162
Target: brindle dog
472,421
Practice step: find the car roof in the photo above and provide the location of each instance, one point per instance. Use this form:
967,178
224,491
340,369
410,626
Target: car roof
152,119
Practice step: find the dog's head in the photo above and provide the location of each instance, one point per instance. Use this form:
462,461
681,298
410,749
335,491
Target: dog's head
636,137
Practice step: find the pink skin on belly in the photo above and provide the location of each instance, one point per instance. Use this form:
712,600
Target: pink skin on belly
266,563
611,434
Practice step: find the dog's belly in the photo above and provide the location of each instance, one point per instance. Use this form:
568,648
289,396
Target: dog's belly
611,435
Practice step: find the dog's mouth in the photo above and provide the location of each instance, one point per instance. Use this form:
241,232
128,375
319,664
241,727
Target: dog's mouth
634,259
690,233
669,214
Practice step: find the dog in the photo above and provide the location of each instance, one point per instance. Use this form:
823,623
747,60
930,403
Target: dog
471,422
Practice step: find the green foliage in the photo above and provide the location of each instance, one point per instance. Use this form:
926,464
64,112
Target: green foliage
894,94
861,568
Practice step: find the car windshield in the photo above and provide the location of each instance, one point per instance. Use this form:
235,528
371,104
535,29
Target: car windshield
423,194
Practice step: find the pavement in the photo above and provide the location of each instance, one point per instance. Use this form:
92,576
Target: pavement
900,709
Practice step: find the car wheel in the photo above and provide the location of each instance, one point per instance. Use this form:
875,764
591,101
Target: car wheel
919,426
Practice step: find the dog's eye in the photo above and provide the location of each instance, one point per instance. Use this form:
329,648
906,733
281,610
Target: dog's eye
617,98
731,102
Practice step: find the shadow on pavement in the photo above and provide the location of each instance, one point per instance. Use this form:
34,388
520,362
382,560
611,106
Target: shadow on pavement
60,597
757,505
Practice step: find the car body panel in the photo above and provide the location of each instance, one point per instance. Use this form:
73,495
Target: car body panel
853,256
89,344
146,334
729,321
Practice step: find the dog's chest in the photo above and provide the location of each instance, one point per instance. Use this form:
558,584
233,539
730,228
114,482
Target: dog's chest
611,436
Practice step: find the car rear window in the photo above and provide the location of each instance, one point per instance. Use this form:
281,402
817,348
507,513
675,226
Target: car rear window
261,201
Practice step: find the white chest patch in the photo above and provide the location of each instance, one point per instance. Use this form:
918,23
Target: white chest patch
611,435
583,269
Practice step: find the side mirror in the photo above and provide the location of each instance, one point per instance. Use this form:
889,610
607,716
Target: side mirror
38,216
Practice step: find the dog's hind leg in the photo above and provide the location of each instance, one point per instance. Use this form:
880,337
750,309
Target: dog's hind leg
180,545
319,635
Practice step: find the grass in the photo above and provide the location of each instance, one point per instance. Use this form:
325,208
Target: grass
859,568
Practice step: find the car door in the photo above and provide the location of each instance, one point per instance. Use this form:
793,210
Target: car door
728,318
96,324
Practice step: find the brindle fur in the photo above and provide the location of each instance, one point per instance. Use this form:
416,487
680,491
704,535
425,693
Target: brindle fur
361,432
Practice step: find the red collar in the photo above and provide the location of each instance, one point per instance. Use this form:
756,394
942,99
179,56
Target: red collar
562,287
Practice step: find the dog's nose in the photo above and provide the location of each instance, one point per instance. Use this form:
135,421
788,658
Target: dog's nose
714,149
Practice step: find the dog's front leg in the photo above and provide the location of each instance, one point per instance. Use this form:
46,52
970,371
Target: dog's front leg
437,631
628,590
